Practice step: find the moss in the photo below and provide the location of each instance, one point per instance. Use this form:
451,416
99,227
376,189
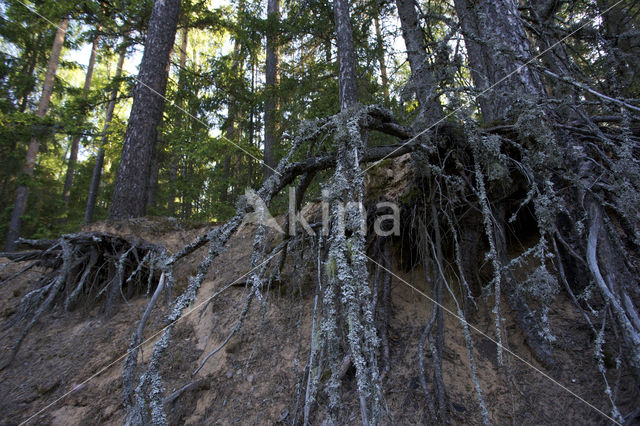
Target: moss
325,376
331,267
411,195
350,249
386,163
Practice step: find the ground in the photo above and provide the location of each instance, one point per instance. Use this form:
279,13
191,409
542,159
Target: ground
68,370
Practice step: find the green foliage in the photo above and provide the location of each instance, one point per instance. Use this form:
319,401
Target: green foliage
211,139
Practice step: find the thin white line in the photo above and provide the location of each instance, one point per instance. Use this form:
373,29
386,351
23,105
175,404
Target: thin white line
165,98
105,368
487,89
515,355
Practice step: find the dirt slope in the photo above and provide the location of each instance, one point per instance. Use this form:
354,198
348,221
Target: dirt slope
68,370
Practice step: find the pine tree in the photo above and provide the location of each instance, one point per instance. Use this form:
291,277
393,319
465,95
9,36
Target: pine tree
131,188
75,143
99,162
497,62
22,195
422,81
272,77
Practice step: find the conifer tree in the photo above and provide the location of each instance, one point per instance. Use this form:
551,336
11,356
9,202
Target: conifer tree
22,194
131,188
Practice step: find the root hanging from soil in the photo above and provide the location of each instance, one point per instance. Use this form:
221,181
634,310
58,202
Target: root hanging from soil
147,404
474,185
472,190
81,269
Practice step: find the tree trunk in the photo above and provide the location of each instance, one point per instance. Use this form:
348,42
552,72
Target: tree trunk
346,55
173,172
497,47
554,53
130,193
154,173
380,54
97,168
422,81
251,131
29,67
237,67
75,144
497,44
346,243
272,80
22,195
29,60
153,178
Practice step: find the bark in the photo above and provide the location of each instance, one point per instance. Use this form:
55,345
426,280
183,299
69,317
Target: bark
152,189
272,80
131,188
346,55
22,195
153,179
554,53
181,86
381,61
237,66
422,80
347,243
496,45
252,123
75,143
97,168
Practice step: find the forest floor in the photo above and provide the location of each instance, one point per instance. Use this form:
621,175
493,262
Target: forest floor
255,379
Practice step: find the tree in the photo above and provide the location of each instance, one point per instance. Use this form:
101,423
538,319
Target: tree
348,283
422,81
622,43
381,56
272,78
231,125
553,51
182,71
522,194
21,81
99,162
22,195
346,55
75,143
131,188
498,47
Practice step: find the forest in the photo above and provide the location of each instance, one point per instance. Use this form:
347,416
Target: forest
480,158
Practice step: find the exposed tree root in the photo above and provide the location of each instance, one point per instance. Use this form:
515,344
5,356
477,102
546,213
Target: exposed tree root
465,176
83,268
473,186
149,389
